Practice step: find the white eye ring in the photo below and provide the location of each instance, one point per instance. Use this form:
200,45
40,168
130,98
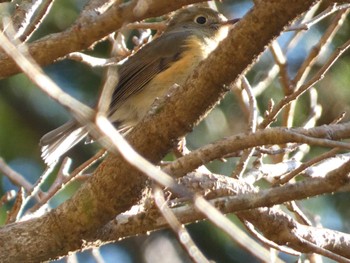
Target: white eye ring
201,20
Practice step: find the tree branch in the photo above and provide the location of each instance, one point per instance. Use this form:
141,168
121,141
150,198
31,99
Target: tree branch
240,142
230,195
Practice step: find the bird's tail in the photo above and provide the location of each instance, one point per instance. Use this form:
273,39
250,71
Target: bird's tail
55,143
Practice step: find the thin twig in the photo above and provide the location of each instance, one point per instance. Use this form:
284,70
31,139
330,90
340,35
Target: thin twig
322,251
90,60
314,115
262,85
7,197
274,70
252,122
36,22
17,208
232,230
183,235
23,15
16,178
281,61
110,81
267,242
37,185
315,110
80,111
96,254
299,33
114,139
315,52
330,10
300,216
306,165
58,186
315,79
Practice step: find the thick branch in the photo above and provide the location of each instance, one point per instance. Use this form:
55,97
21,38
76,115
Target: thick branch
230,195
240,142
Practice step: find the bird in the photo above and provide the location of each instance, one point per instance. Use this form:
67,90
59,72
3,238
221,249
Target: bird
191,34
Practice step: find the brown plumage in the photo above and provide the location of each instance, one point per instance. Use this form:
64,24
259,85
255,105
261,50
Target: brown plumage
191,35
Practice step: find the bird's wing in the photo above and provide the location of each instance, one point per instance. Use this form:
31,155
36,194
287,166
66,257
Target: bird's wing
144,65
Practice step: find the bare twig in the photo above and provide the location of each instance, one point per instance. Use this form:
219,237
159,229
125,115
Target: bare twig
16,178
262,85
29,29
37,185
281,61
59,185
232,230
23,14
267,242
300,216
116,140
35,73
17,209
183,235
252,122
330,10
306,165
95,252
7,197
274,70
315,79
110,80
90,60
322,251
326,38
27,17
315,110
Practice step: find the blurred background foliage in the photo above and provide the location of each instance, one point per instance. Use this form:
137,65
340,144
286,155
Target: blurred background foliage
26,114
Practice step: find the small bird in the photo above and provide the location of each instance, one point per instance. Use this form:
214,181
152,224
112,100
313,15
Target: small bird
190,36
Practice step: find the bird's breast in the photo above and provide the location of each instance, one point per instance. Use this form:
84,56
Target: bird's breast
134,109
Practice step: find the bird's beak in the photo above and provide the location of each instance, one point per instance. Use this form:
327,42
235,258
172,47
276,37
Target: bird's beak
226,23
230,22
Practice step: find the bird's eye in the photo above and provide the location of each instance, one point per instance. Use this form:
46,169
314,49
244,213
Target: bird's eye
200,20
